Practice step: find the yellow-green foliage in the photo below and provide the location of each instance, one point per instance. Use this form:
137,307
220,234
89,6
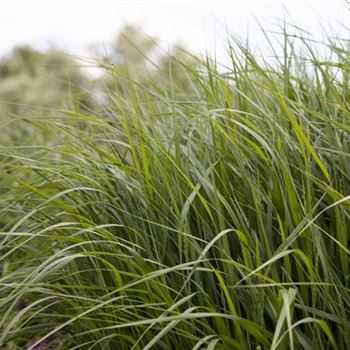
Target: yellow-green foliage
212,214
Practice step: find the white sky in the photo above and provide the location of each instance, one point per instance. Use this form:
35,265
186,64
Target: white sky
73,25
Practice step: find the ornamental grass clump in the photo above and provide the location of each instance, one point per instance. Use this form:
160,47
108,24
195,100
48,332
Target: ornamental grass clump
209,212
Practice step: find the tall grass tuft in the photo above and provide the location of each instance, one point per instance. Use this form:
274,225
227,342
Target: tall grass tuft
206,208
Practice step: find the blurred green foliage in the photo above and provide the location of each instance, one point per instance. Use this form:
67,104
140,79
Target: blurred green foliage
32,80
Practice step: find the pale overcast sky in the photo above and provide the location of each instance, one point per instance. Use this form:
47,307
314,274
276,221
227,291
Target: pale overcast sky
73,25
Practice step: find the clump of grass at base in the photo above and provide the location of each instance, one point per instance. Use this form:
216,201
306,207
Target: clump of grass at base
212,214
